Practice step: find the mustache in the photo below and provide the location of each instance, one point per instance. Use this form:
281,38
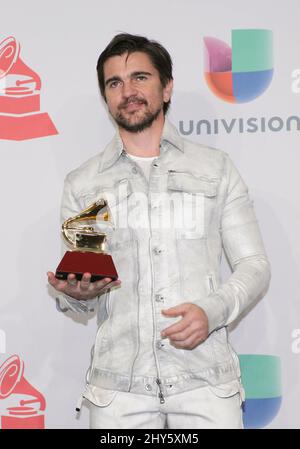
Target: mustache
132,99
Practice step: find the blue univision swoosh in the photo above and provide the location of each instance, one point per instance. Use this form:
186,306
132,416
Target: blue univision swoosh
249,85
259,413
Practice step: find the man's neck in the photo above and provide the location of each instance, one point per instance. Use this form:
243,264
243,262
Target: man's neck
145,143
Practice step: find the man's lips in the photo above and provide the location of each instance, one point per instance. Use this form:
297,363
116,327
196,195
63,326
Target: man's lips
133,104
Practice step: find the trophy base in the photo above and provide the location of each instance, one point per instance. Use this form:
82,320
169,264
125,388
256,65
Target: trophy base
98,264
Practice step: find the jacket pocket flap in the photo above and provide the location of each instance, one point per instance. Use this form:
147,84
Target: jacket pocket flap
99,396
226,390
112,194
187,182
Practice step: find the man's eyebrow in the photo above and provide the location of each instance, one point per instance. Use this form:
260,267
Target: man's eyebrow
133,74
113,78
141,72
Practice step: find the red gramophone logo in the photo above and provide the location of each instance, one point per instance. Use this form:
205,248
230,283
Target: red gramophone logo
20,86
13,382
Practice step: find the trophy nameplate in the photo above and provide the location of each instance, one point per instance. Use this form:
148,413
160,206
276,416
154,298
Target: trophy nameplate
88,244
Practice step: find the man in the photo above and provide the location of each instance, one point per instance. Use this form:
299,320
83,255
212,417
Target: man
161,356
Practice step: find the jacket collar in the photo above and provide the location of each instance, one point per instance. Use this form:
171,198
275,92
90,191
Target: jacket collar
115,148
172,136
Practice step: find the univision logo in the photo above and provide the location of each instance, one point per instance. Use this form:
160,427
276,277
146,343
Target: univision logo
261,379
243,72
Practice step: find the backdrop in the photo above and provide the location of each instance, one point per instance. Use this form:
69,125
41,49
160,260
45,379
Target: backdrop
237,87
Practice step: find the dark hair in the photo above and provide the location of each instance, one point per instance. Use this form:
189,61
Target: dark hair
130,43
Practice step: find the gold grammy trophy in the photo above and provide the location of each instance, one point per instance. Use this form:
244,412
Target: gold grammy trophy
86,236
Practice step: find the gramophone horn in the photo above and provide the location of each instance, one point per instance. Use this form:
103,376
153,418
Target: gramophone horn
11,63
12,381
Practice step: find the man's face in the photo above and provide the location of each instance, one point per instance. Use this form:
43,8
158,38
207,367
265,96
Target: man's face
133,91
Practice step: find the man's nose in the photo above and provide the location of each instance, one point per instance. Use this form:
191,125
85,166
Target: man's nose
128,89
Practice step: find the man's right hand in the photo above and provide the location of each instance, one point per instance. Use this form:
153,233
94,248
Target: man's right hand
81,290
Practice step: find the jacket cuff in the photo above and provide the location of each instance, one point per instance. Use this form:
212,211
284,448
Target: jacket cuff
215,311
77,305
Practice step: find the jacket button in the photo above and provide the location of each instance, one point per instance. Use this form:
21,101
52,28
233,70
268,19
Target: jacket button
148,387
157,251
159,345
134,170
159,298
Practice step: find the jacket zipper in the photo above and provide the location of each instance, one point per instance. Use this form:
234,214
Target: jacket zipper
160,395
158,381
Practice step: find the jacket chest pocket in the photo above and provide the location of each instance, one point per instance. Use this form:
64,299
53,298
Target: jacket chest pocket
194,201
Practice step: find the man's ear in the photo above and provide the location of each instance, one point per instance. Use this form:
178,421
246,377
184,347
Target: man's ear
168,91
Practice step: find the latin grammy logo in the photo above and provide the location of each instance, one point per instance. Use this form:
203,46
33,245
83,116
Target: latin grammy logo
13,382
20,86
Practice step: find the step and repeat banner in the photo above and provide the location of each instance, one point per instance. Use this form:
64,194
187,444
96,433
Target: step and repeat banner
236,87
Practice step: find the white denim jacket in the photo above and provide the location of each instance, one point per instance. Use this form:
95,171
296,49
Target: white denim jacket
164,262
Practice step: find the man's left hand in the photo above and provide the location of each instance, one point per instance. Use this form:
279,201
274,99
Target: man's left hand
191,330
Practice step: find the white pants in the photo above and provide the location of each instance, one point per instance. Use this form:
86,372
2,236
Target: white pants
201,408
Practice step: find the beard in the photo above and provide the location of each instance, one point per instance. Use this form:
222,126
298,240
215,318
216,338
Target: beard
136,125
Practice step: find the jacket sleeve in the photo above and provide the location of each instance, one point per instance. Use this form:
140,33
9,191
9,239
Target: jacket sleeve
243,246
70,207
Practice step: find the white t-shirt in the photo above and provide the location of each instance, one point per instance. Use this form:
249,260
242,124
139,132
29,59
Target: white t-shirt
144,163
